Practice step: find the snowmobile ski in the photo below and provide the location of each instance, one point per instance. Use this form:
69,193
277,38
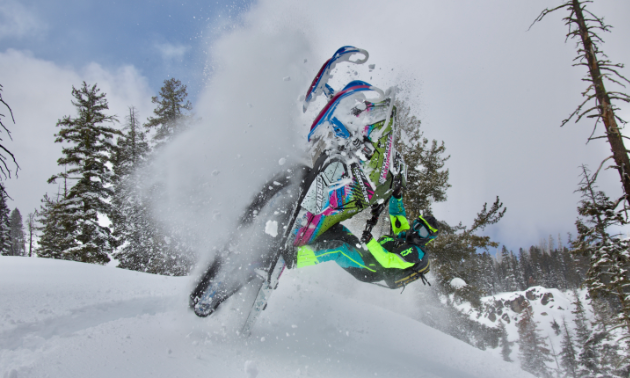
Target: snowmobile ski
260,304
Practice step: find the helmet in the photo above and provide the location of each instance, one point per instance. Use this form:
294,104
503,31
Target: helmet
423,230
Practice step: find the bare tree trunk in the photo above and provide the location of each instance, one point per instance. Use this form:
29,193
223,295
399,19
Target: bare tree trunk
608,116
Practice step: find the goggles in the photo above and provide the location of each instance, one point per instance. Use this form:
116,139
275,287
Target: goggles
424,229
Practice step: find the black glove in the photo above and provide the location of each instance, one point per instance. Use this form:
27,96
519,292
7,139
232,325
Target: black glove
366,237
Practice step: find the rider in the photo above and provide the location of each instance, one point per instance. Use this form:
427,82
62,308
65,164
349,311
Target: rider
406,250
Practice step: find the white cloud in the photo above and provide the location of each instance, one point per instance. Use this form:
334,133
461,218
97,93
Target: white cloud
18,21
495,93
171,52
39,92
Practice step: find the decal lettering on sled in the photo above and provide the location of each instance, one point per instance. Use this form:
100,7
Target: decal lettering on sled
406,251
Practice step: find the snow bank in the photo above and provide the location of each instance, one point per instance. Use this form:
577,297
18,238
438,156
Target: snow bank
67,319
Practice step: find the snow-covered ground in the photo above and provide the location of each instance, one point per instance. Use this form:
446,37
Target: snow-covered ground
547,305
68,319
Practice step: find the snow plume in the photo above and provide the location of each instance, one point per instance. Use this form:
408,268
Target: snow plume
251,128
248,122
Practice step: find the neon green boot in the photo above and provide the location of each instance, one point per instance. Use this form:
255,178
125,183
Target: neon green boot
306,257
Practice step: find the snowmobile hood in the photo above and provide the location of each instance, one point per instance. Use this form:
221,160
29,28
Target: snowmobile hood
320,83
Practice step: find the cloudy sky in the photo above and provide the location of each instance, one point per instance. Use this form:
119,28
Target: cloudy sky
493,91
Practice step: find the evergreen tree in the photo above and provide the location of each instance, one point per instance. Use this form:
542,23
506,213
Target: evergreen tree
556,327
30,228
170,117
582,332
57,230
508,265
133,225
607,360
16,233
132,151
526,278
586,356
145,245
427,179
504,343
609,255
88,152
568,357
534,354
455,254
5,228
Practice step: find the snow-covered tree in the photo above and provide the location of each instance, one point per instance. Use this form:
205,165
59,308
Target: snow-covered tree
604,349
455,254
87,151
16,233
5,228
171,112
57,230
504,343
568,357
141,242
145,244
509,270
31,228
608,275
534,354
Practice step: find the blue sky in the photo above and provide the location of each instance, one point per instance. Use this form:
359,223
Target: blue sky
161,39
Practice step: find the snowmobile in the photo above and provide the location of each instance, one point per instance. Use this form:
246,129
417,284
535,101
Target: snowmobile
355,167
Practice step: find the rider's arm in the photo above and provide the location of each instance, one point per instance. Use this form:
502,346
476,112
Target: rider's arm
398,215
385,258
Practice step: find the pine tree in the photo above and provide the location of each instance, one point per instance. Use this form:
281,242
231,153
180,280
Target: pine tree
586,355
145,245
16,233
132,220
534,354
568,356
582,332
88,152
504,343
608,275
427,179
31,228
57,230
132,151
170,117
607,358
5,228
509,269
556,327
455,253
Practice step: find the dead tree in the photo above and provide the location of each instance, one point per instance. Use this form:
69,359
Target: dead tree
5,171
598,103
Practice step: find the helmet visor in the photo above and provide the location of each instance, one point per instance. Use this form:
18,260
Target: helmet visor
421,230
